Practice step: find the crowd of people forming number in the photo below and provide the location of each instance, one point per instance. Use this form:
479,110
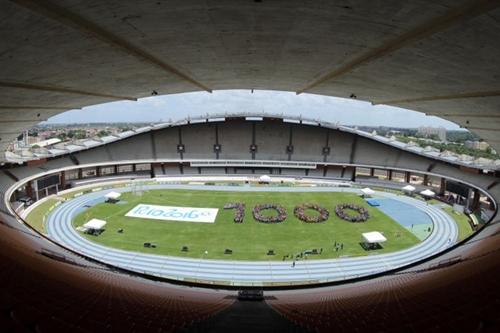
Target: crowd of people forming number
259,216
240,210
362,215
300,212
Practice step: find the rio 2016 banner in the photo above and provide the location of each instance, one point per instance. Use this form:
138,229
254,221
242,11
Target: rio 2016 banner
185,214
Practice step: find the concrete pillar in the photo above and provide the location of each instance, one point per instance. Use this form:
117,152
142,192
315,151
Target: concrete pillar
442,186
116,169
389,174
407,176
372,172
29,190
468,199
475,205
80,173
426,180
98,171
62,178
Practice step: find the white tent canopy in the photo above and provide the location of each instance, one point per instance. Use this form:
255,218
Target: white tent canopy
95,224
112,195
428,193
367,191
409,188
373,237
265,178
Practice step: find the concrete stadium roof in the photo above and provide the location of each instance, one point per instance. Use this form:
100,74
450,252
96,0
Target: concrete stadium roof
438,57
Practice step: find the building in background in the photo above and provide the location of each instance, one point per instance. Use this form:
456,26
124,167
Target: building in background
430,132
480,145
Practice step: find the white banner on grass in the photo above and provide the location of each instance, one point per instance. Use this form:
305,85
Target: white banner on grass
185,214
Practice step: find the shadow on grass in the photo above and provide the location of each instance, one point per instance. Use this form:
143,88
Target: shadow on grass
370,247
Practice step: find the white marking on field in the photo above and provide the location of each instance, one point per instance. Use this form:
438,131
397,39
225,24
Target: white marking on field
183,214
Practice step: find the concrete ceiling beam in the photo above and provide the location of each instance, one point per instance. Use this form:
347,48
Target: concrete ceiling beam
476,94
65,90
79,23
466,11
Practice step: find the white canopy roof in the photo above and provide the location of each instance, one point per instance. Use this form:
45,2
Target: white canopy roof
428,193
367,191
265,178
112,195
373,237
408,188
95,224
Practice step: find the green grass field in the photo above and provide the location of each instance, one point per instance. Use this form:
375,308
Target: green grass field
464,228
249,240
37,215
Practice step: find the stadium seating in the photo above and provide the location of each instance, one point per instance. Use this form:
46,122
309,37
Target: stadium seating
235,138
100,154
308,142
271,139
165,143
136,147
413,295
199,141
56,163
25,172
86,305
341,144
438,295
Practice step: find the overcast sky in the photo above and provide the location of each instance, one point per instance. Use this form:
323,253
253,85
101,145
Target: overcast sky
180,106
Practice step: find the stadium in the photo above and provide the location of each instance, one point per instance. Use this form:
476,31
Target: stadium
249,222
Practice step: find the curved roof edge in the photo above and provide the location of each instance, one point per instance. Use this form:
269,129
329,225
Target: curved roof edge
84,144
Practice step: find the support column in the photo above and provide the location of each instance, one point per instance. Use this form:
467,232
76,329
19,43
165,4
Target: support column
98,171
116,169
407,176
80,173
476,204
426,180
389,174
468,199
62,178
372,172
442,187
29,189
